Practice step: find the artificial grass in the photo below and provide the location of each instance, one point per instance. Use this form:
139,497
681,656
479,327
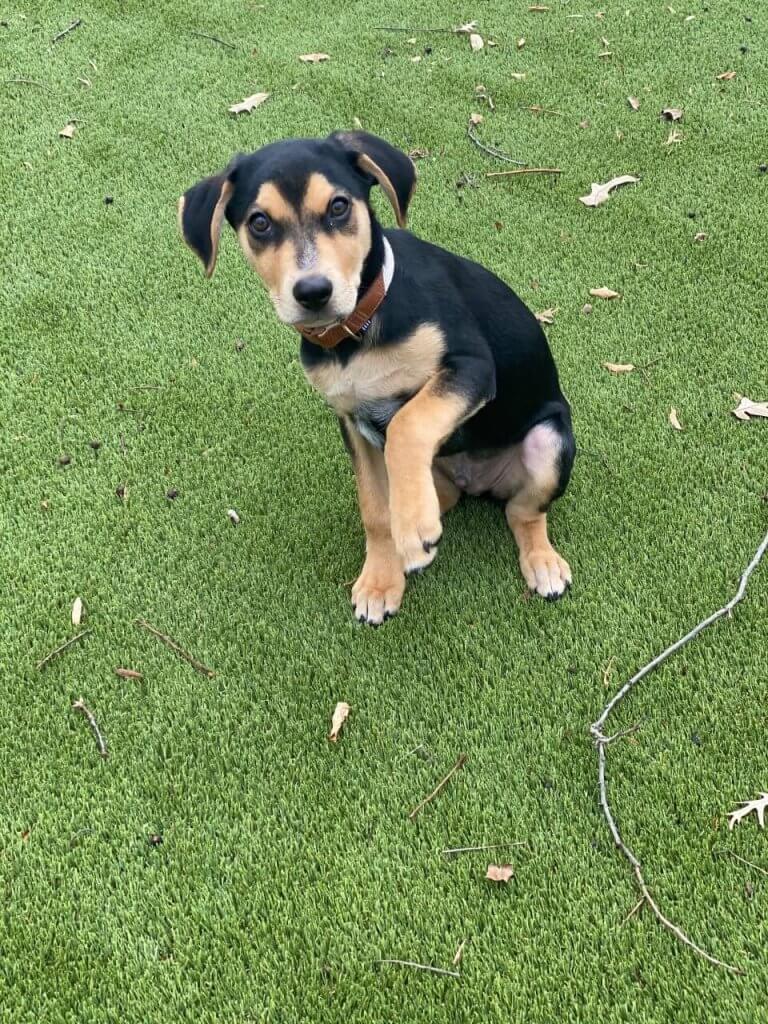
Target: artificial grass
288,865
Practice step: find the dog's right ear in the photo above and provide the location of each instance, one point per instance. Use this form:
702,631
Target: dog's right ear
201,211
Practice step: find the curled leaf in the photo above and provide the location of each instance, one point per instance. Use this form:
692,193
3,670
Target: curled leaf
746,409
634,102
77,611
499,872
340,715
600,193
674,421
619,367
726,76
546,316
249,103
476,41
68,131
314,58
672,114
747,806
604,293
700,236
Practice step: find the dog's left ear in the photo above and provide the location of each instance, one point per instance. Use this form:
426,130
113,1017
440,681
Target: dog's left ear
201,212
391,168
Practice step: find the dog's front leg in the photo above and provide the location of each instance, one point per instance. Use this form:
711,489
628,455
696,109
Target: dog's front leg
414,436
378,591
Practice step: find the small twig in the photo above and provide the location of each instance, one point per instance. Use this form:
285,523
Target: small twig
67,30
80,705
634,909
24,81
412,31
472,849
213,39
169,642
523,170
651,362
440,786
601,743
730,853
605,740
490,150
458,954
420,967
68,643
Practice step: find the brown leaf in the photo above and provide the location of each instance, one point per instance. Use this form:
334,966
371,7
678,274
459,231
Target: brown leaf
249,103
604,293
746,409
314,58
674,421
759,806
699,236
619,367
233,517
77,611
600,193
340,713
499,872
476,41
476,118
672,114
68,131
546,316
128,673
634,102
726,76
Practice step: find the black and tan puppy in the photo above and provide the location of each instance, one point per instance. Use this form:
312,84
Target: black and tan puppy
442,379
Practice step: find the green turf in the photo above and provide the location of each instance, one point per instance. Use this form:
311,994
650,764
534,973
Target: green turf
288,864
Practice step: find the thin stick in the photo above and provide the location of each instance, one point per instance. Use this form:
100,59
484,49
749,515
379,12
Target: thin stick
169,642
440,786
749,863
471,849
411,31
601,741
420,967
68,643
214,39
523,170
67,30
80,705
24,81
490,150
457,955
634,909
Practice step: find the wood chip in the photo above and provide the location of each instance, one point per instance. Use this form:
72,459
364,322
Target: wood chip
128,673
340,715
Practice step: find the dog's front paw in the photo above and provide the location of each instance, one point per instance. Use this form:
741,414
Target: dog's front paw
379,588
545,572
416,531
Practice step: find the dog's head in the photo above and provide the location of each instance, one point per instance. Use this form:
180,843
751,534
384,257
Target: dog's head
301,212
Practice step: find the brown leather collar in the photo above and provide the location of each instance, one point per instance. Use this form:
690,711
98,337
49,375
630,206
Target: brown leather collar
359,320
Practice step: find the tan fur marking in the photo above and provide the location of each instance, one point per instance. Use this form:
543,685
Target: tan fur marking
273,263
216,219
381,372
346,250
413,436
272,201
378,590
318,194
543,569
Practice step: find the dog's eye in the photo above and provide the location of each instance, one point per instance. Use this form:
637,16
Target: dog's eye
259,223
339,206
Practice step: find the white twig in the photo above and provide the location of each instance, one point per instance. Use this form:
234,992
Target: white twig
420,967
472,849
602,741
81,706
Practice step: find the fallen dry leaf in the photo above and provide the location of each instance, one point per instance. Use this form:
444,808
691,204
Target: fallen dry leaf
619,367
521,42
634,102
476,41
457,956
726,76
467,28
674,136
604,293
606,53
340,714
499,872
674,421
586,309
746,409
518,76
314,58
600,193
546,316
699,236
77,611
128,673
747,806
68,131
476,119
416,58
672,114
539,8
249,103
234,518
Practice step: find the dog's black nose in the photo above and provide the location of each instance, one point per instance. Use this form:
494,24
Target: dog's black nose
312,292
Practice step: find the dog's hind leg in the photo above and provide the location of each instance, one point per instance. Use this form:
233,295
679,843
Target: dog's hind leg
545,458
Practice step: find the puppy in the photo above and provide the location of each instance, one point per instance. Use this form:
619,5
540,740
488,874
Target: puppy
440,376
